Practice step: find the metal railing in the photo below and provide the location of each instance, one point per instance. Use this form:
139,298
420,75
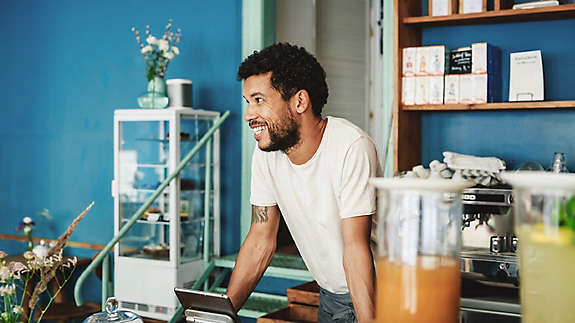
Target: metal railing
103,255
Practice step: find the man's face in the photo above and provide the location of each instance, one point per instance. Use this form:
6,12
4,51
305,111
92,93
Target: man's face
274,125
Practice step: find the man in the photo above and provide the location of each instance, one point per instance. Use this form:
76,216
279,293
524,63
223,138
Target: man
314,172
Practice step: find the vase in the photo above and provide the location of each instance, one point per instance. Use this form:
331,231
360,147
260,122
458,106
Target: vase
155,97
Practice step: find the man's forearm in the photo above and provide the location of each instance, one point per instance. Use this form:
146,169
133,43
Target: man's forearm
360,276
253,259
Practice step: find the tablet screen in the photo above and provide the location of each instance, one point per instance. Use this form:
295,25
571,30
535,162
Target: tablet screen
206,302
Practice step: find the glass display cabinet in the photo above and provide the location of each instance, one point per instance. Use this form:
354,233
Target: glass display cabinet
165,248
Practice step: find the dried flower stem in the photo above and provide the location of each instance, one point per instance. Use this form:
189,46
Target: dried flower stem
63,239
53,297
47,274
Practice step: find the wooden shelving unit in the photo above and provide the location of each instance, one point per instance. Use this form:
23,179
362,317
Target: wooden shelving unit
409,24
497,16
492,106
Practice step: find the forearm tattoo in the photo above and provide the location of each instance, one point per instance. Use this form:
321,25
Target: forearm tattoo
259,214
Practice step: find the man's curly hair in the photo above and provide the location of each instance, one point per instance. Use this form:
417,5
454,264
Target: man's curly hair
293,69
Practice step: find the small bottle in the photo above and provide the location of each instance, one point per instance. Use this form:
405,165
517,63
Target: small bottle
558,163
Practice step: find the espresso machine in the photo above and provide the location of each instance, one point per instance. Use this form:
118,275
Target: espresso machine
489,256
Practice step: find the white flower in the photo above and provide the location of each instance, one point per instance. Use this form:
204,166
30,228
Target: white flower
146,49
17,268
7,290
4,274
48,261
27,220
168,55
175,50
5,316
17,310
152,40
70,262
163,45
29,255
27,229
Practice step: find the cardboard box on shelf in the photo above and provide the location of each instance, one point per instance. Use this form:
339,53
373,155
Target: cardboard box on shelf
421,89
451,89
422,61
485,58
436,60
466,85
435,89
408,59
460,61
480,88
408,90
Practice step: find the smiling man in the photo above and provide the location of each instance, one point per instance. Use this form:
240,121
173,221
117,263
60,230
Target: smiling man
314,172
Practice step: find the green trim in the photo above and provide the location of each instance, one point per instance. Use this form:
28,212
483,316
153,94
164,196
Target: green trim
105,280
207,189
281,266
388,79
258,31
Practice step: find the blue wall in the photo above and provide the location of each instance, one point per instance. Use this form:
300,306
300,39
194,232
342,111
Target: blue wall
515,136
66,65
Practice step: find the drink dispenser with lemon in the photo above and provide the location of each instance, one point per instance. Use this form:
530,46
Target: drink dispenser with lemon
417,258
545,226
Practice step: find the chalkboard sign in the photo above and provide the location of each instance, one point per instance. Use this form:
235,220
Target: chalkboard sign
460,61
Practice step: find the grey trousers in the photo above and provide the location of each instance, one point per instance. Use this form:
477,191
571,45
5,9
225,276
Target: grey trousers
335,308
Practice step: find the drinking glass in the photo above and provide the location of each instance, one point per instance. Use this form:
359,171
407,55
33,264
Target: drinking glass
417,258
545,227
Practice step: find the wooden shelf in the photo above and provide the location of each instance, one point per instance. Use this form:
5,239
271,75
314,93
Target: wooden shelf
492,106
496,16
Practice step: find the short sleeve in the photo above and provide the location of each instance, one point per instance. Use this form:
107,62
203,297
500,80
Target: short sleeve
261,185
357,196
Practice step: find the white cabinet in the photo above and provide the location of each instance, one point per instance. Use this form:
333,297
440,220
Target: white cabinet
165,247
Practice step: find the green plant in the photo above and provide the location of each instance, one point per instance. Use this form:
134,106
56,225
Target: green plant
16,278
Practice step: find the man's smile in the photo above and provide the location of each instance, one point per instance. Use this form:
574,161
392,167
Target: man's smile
258,127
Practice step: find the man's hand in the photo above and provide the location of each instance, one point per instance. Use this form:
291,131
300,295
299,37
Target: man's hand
358,266
255,254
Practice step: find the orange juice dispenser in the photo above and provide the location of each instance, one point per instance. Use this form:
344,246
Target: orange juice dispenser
545,226
418,244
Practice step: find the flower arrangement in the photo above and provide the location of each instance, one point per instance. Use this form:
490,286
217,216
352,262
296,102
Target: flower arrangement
27,226
158,52
29,279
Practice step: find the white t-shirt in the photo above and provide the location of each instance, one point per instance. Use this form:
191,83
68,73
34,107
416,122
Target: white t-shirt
314,197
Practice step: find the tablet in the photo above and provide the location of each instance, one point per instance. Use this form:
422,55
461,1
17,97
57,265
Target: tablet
205,302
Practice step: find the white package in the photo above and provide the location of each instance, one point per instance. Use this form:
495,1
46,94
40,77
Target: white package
408,90
466,92
435,92
479,58
479,93
451,89
436,60
409,54
421,89
421,61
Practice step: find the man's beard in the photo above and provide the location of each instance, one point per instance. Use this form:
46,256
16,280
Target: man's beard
284,134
